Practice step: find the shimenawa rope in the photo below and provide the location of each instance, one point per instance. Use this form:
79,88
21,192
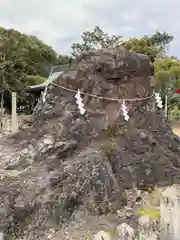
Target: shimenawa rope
105,98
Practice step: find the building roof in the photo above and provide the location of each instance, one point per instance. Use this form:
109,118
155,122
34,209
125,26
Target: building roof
56,72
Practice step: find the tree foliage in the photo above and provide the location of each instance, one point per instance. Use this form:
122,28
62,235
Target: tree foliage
167,72
63,60
94,40
22,56
154,46
167,69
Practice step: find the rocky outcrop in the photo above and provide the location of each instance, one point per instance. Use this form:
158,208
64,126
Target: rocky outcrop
72,166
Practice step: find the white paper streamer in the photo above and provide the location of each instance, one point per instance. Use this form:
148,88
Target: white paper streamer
125,112
44,94
79,102
158,100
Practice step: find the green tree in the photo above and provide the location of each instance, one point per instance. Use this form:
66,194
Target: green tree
167,71
95,39
63,60
22,55
154,46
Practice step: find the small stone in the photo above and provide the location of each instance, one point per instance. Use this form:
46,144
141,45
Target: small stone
102,235
143,135
124,230
144,220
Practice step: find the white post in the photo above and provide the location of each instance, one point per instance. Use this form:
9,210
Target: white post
14,124
1,236
170,214
166,106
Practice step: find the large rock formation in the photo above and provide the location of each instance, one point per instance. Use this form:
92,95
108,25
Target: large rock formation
78,166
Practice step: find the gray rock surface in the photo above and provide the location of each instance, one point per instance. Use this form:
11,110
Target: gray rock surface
69,169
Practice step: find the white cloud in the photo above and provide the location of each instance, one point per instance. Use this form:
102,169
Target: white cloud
59,23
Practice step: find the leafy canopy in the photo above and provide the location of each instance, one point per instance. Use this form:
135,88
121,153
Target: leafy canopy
22,56
94,40
154,46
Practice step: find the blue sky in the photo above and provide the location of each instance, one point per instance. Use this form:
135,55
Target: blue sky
60,23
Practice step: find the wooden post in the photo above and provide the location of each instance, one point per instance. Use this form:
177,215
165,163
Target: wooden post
2,110
14,114
166,106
